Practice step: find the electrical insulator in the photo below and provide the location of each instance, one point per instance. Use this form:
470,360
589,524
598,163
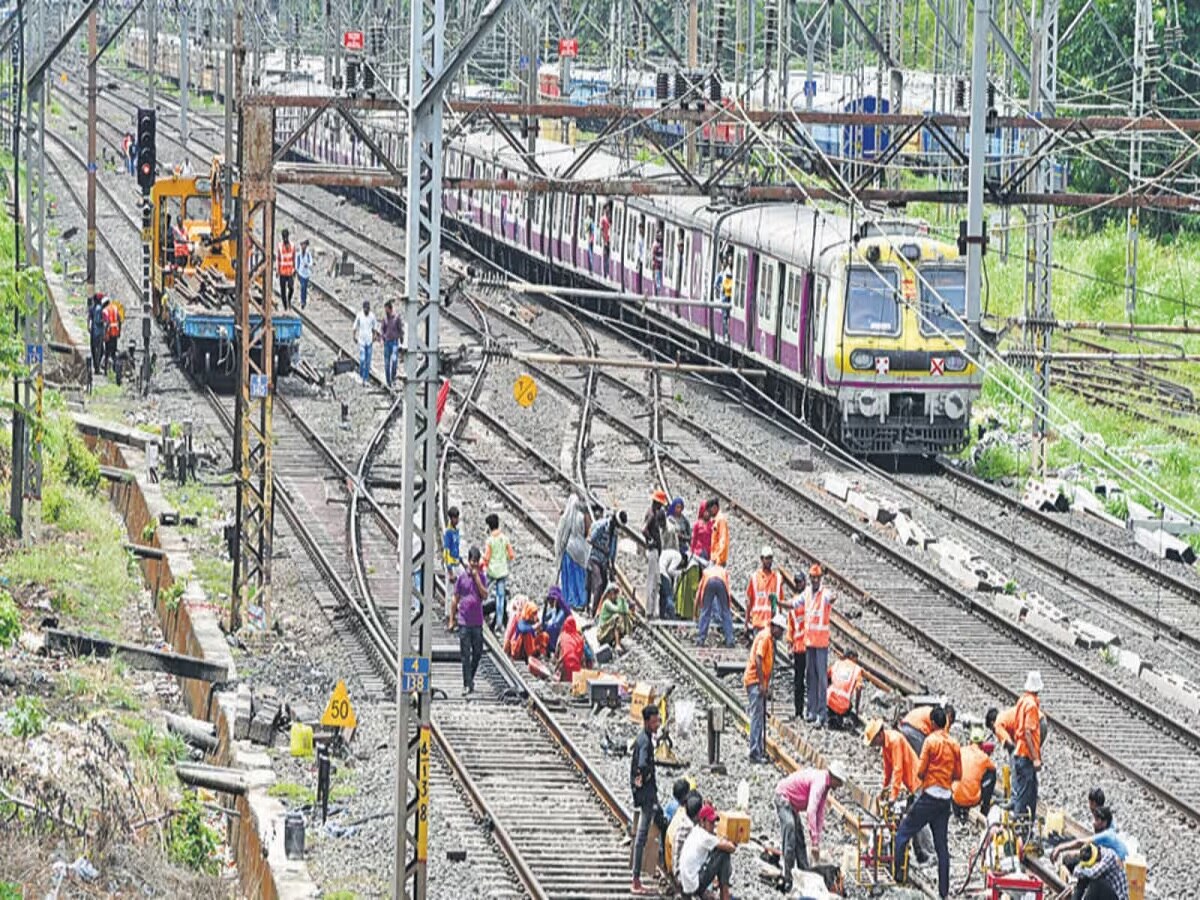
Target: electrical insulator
714,88
662,86
991,96
376,35
368,78
721,29
960,93
352,69
771,30
679,86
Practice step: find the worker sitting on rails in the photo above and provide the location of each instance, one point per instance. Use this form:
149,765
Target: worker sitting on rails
652,533
817,607
718,550
804,791
572,652
763,591
1027,758
180,248
466,614
304,268
1099,874
845,690
713,599
682,823
643,784
757,681
614,622
497,555
525,639
795,638
571,552
939,767
555,613
978,781
917,725
670,568
1104,835
706,858
285,260
602,552
452,549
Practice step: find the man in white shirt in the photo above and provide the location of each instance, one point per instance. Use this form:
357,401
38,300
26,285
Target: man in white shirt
681,826
304,268
366,329
705,857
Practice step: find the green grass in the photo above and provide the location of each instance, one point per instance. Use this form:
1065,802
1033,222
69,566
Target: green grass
215,575
194,500
292,794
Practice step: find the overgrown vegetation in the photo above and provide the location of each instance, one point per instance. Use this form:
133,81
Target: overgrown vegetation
999,461
27,716
10,621
190,840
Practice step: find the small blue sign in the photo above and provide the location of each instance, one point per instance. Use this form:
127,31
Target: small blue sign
523,62
414,674
810,89
258,386
34,354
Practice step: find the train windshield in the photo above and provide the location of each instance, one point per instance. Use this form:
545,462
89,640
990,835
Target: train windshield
871,301
943,297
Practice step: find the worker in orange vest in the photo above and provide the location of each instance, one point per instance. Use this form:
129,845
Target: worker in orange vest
180,249
795,637
845,690
713,600
719,546
899,761
757,681
1027,760
917,725
939,767
111,315
762,593
978,781
1003,723
285,260
817,603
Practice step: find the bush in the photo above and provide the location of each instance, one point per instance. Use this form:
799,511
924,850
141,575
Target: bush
995,462
1118,506
10,621
81,467
27,717
190,842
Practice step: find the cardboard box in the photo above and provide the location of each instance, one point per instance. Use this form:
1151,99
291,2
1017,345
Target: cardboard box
734,826
642,695
579,681
1135,876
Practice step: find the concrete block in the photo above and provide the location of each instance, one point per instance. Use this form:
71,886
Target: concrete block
1137,511
262,726
889,509
241,721
1049,628
1173,687
302,711
1129,661
1009,604
1092,637
959,573
1165,546
836,485
990,578
1043,497
1106,489
1043,607
802,461
949,548
863,504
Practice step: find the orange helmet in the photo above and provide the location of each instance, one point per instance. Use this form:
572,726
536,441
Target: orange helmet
814,571
660,496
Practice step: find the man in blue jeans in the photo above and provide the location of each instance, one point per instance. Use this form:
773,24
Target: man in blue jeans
304,267
645,795
391,330
712,598
757,681
939,767
365,332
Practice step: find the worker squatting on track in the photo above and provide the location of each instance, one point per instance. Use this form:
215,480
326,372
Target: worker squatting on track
927,776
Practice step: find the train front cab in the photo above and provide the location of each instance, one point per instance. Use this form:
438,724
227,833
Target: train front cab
903,384
190,197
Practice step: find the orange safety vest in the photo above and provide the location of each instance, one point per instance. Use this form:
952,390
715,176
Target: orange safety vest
845,677
181,242
968,790
919,719
764,646
1006,726
287,258
795,633
762,594
1029,718
899,764
816,618
112,321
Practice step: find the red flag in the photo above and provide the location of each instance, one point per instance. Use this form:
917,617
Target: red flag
443,393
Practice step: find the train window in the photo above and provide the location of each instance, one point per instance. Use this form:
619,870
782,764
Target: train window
618,224
198,208
943,289
685,264
871,301
766,289
791,311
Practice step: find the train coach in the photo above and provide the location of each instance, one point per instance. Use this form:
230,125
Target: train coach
858,327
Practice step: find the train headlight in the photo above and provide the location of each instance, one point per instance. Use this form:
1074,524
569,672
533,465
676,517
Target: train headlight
862,359
956,363
954,405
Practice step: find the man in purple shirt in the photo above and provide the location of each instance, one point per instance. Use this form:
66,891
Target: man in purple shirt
804,791
390,330
466,612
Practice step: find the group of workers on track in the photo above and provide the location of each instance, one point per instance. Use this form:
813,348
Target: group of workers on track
927,776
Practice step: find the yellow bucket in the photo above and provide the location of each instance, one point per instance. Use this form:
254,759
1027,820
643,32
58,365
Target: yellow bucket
302,739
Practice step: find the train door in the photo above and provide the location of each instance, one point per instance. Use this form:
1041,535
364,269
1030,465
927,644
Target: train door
789,342
764,308
616,269
739,329
701,269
